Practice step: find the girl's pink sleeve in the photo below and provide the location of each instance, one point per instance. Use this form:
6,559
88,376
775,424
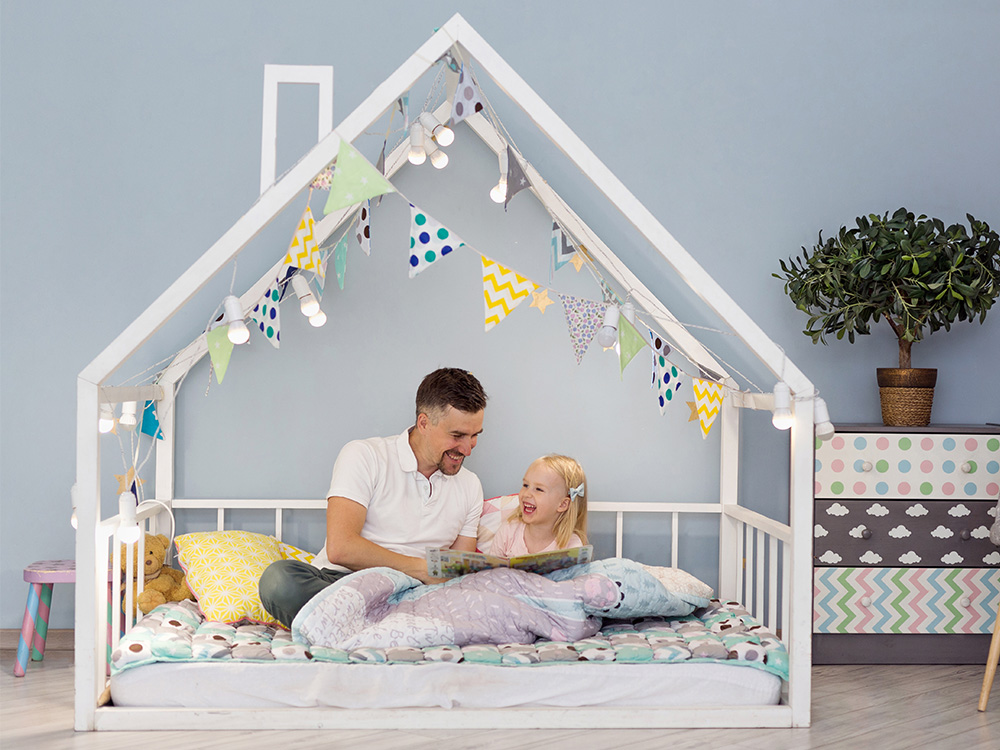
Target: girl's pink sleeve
502,540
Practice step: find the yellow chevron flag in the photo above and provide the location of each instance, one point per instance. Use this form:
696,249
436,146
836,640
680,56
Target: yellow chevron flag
303,252
708,398
503,290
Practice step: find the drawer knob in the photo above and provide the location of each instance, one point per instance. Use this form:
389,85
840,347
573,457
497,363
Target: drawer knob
967,468
866,602
867,466
965,535
866,534
966,601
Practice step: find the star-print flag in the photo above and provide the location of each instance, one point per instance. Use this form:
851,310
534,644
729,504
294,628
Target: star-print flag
467,100
503,290
562,248
129,482
517,180
583,318
364,231
150,422
630,343
667,380
540,300
429,240
220,349
304,252
354,180
708,401
266,314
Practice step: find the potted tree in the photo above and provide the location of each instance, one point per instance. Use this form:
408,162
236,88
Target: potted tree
911,271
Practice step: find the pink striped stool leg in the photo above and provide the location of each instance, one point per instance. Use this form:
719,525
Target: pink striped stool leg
27,629
42,623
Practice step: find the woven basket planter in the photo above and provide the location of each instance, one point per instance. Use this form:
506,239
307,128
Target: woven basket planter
907,395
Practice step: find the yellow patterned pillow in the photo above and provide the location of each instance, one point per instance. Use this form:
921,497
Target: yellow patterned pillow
291,552
223,569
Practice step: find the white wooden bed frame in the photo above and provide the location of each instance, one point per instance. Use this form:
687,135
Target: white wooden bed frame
761,562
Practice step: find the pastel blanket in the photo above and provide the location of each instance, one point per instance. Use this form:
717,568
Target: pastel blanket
382,608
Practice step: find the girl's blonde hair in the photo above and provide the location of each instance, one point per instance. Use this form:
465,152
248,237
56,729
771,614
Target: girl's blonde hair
574,519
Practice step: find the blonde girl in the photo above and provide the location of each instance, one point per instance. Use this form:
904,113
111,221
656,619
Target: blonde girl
551,512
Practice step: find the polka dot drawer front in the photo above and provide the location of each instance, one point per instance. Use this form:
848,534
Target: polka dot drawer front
904,600
893,465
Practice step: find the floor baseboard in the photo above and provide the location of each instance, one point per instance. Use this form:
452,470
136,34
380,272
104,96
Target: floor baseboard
56,640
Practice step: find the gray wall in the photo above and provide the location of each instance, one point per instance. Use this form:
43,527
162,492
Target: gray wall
130,141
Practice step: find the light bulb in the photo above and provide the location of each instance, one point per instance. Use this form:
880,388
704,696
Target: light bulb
821,416
106,420
782,416
238,331
608,335
318,318
73,521
127,419
308,303
438,158
499,192
73,493
444,135
128,526
417,154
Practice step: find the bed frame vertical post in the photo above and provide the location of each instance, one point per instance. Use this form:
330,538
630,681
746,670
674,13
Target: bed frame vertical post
801,519
165,452
730,562
88,676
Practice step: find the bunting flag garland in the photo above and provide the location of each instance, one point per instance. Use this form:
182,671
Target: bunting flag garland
630,343
129,482
667,380
562,248
220,349
320,280
577,261
304,252
266,314
380,166
503,290
708,401
429,240
340,260
583,319
517,180
354,180
150,422
541,300
364,233
467,100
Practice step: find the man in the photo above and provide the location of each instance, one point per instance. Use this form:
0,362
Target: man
391,498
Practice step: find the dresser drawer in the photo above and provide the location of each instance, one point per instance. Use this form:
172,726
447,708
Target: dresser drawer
875,465
938,533
905,600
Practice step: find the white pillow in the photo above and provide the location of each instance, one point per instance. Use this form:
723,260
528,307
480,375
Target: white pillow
679,581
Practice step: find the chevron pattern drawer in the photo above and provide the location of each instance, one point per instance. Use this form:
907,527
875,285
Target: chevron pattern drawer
905,600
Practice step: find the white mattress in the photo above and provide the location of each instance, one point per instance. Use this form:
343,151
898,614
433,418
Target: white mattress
253,685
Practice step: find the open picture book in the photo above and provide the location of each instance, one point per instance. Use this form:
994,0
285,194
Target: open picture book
450,563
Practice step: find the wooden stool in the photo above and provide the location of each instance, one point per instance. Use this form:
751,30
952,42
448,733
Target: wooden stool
41,575
991,663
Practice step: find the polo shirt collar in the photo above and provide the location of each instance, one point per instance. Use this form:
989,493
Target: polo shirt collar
407,458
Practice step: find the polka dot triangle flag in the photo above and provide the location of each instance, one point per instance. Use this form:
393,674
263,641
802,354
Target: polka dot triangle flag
583,319
467,100
429,240
667,380
503,290
304,252
266,314
354,180
708,401
364,231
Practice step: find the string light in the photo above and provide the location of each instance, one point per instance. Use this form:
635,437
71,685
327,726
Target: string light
417,154
238,331
317,319
128,419
128,526
308,303
499,192
821,416
439,159
106,420
782,416
608,335
440,132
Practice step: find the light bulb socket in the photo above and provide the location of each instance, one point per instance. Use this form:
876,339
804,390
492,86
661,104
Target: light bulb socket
417,154
238,331
308,303
128,525
128,419
628,312
821,416
782,417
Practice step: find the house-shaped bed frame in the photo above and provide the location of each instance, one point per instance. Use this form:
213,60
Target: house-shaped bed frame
749,542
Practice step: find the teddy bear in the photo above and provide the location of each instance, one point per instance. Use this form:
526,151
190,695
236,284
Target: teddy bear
161,584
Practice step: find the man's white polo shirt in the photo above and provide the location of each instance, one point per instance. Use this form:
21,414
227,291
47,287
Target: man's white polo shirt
407,512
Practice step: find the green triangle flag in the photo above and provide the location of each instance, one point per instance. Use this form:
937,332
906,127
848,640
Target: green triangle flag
340,261
354,180
630,343
220,349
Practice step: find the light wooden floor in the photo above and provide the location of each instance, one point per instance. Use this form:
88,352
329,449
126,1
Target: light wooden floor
854,707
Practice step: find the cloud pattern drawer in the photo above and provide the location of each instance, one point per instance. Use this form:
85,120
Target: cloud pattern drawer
873,465
905,600
930,533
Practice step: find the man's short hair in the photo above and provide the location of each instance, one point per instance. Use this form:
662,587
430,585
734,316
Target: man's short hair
452,387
